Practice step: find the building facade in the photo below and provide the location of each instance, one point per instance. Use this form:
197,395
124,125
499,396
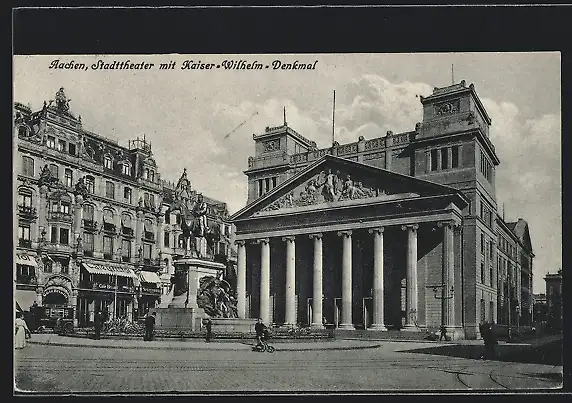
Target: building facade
397,231
90,217
554,299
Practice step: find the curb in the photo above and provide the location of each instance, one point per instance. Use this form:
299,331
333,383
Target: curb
247,347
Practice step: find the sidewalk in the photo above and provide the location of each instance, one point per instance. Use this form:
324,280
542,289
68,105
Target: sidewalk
56,340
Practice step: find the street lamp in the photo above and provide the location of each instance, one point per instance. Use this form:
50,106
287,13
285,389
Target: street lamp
443,297
518,319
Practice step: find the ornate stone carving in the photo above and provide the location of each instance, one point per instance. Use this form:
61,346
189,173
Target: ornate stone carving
447,108
62,102
80,189
272,145
327,186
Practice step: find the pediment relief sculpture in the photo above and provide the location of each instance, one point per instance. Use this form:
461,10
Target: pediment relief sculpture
327,186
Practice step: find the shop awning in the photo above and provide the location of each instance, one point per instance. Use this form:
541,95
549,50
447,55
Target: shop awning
26,260
149,277
109,270
25,299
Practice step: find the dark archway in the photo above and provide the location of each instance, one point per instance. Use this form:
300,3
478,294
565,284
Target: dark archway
55,298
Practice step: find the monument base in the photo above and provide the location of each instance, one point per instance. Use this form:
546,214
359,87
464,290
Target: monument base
184,319
233,325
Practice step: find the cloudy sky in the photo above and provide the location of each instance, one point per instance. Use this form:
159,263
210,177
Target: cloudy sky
186,114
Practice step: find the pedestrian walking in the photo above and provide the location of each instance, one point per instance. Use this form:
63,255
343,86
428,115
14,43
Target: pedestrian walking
149,327
443,335
209,330
490,342
21,331
98,320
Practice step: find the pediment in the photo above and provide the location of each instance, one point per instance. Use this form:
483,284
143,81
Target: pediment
334,182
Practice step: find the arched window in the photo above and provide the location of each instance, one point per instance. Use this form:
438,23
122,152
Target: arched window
68,174
148,225
88,212
126,168
108,216
126,220
90,184
28,166
25,198
152,175
108,162
181,241
54,170
146,176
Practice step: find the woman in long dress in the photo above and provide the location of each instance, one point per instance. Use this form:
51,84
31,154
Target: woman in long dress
22,331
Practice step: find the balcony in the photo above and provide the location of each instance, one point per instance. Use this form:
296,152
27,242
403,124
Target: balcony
60,216
90,224
26,279
25,243
149,236
126,231
27,212
108,227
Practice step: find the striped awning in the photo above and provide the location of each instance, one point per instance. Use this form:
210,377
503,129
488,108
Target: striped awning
26,260
149,277
110,270
25,299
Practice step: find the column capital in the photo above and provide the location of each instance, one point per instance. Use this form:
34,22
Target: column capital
347,233
262,241
240,242
413,227
291,238
449,223
315,236
378,230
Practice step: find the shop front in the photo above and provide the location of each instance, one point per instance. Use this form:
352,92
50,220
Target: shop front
107,288
150,292
26,281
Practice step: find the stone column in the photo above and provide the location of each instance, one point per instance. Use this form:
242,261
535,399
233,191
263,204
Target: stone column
290,280
241,279
265,280
160,235
43,212
346,280
317,299
448,275
411,300
73,303
378,289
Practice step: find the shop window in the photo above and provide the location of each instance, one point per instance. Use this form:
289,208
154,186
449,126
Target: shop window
64,236
68,174
28,166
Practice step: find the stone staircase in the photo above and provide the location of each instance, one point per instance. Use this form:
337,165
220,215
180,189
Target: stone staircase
377,334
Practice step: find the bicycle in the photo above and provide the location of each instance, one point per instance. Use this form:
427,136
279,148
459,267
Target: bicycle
264,347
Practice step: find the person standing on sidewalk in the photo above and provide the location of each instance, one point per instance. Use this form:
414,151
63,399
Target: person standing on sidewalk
21,331
98,320
149,327
209,330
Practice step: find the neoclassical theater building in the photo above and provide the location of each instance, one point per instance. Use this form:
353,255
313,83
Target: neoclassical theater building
90,217
395,232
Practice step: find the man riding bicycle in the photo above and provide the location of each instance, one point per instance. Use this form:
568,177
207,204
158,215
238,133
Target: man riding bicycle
261,332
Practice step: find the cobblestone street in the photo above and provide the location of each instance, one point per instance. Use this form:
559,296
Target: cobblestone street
56,369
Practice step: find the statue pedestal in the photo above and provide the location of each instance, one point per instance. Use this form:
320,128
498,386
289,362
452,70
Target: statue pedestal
183,313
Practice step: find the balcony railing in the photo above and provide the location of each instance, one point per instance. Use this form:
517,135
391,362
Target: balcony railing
26,279
25,243
60,216
27,212
108,227
90,224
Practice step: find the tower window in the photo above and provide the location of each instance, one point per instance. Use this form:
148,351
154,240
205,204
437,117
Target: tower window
273,182
434,159
126,169
108,162
444,158
455,157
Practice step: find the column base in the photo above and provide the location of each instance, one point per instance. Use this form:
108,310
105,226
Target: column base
410,328
378,327
346,326
317,326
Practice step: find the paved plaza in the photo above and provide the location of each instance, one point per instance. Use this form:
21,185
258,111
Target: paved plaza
198,367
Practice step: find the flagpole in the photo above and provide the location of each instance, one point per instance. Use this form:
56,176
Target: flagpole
334,120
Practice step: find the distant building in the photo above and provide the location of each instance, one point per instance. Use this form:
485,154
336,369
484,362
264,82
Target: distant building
554,298
540,308
92,234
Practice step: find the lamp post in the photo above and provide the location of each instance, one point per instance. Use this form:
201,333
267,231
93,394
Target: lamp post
443,297
517,319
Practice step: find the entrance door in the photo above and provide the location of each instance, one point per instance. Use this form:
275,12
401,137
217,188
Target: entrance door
337,311
309,310
367,312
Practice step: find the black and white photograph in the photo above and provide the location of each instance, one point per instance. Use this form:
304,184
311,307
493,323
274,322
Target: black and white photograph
287,222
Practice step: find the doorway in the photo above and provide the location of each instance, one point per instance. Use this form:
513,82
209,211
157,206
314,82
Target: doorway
367,312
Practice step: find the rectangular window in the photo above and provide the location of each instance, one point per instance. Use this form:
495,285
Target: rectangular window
491,276
25,199
54,170
146,251
110,190
65,267
483,272
273,182
166,238
107,246
127,195
266,185
90,184
125,168
108,162
126,248
51,142
61,145
167,218
64,236
71,148
68,177
483,311
492,245
455,157
444,158
491,311
28,166
54,235
24,232
152,200
260,187
434,158
482,243
65,208
88,242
